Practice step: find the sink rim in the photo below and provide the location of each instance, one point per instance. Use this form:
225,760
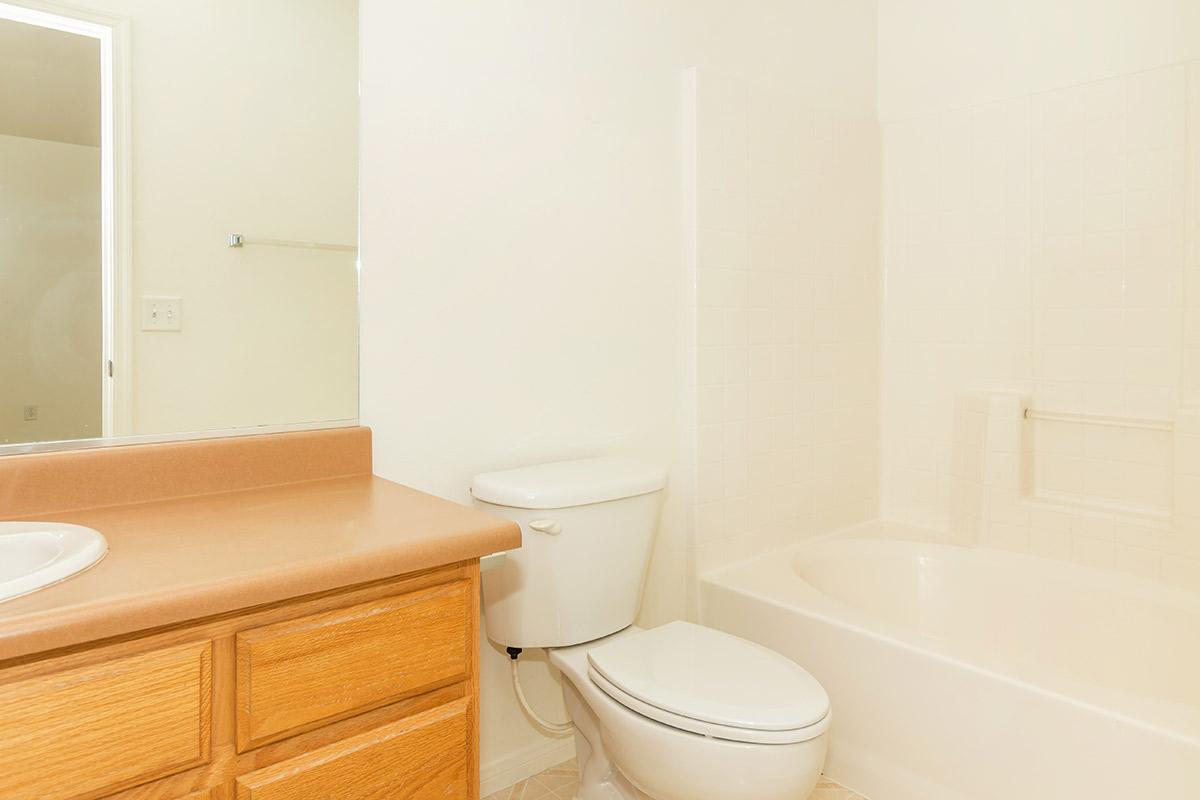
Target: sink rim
83,548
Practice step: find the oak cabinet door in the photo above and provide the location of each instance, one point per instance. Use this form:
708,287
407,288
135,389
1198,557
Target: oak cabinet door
296,675
88,731
423,757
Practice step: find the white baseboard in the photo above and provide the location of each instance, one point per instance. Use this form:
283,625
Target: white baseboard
500,773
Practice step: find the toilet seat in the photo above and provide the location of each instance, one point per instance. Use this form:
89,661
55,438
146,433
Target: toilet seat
703,681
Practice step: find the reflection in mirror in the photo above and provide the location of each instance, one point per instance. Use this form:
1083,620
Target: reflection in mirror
178,217
50,242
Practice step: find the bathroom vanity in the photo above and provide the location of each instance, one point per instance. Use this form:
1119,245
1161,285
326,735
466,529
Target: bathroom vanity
316,637
255,617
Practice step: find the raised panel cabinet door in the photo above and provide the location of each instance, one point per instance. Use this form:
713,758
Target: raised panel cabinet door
88,731
295,675
423,757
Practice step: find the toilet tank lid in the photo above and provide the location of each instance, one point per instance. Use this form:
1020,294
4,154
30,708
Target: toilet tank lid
568,483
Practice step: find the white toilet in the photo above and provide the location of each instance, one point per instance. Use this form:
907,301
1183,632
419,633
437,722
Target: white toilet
677,712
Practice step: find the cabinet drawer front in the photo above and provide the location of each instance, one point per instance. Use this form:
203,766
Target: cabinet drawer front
295,675
423,756
91,730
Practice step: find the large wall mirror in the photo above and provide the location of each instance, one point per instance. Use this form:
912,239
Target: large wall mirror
178,218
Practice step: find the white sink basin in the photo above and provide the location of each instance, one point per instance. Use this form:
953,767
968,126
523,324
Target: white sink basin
34,555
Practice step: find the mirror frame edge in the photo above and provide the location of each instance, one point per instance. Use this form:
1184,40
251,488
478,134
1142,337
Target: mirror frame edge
64,445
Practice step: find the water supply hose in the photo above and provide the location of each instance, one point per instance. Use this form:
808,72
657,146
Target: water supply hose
551,727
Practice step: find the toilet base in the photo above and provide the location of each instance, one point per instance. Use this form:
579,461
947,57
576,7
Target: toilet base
599,779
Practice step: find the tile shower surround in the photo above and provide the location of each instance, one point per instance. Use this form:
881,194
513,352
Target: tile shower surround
1048,248
783,319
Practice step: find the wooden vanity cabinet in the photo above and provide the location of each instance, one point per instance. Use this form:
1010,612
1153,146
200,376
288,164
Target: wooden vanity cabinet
367,692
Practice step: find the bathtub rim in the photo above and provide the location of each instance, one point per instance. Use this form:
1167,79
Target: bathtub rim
773,566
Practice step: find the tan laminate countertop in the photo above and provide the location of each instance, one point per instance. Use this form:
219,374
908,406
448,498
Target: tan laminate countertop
177,560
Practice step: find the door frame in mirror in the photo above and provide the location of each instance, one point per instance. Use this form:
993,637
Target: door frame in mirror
116,202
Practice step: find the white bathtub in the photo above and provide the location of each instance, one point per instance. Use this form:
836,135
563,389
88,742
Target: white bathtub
958,673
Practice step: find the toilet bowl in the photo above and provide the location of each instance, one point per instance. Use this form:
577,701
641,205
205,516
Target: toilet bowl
650,732
677,712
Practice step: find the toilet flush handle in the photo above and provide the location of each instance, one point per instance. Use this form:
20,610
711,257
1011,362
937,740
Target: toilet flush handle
550,526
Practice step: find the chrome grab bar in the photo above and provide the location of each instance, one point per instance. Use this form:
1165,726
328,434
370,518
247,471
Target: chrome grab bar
1111,422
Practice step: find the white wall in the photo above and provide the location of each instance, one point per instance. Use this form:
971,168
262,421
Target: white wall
50,300
523,233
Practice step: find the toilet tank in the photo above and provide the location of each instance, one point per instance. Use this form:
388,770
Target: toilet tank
587,529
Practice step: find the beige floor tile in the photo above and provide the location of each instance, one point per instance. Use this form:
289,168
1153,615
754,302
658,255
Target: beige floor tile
529,789
557,781
562,781
567,792
833,793
536,790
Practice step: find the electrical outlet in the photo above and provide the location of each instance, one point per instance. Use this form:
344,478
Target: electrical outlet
30,413
162,313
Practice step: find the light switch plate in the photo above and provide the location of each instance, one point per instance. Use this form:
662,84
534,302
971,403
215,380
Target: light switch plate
162,313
